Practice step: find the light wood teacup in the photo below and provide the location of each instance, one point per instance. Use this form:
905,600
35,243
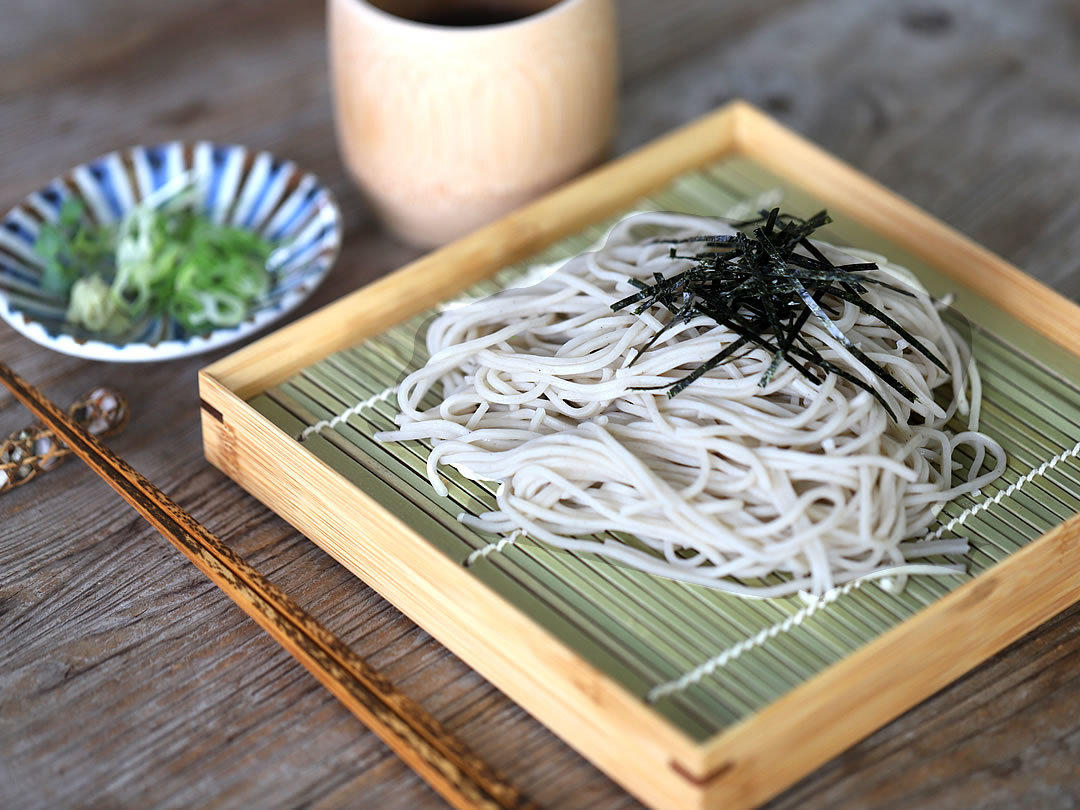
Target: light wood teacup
448,124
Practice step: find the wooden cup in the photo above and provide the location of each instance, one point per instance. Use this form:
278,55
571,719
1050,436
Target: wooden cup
447,128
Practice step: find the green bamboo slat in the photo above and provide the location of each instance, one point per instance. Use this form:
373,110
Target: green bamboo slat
644,631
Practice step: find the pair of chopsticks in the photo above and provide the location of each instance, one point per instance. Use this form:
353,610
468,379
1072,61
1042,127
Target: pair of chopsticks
458,775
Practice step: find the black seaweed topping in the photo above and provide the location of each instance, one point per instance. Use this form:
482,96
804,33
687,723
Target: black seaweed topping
757,285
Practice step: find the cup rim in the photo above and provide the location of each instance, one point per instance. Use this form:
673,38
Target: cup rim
559,6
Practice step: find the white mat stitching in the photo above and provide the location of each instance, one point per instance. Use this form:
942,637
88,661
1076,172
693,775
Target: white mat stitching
345,414
499,545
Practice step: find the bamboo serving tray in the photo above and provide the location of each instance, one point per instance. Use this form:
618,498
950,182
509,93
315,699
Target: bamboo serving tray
687,697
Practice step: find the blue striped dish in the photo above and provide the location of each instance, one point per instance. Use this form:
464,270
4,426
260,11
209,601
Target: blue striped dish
253,190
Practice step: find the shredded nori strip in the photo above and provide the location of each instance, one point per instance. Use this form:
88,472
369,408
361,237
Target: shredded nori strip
758,286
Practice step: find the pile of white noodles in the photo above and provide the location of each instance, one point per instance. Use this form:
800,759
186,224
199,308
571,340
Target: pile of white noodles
725,482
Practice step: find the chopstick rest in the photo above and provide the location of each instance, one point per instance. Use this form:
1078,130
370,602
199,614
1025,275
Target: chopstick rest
27,453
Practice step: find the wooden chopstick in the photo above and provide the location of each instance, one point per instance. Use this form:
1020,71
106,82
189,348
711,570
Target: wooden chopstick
457,774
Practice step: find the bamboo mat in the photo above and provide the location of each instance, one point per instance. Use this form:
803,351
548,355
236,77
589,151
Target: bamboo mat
703,659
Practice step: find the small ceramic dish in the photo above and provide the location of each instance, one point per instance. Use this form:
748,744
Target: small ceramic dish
252,190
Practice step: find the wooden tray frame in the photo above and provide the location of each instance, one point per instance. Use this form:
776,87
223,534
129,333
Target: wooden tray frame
743,765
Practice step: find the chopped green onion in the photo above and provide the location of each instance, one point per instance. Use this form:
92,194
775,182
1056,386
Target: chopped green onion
163,258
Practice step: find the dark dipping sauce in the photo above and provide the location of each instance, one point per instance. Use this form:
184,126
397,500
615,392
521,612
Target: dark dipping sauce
464,14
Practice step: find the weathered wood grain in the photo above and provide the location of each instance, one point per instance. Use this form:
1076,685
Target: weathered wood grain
127,680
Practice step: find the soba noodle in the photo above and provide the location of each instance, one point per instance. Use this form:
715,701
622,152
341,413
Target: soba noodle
727,481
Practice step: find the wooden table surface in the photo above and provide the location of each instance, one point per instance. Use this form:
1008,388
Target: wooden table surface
127,680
